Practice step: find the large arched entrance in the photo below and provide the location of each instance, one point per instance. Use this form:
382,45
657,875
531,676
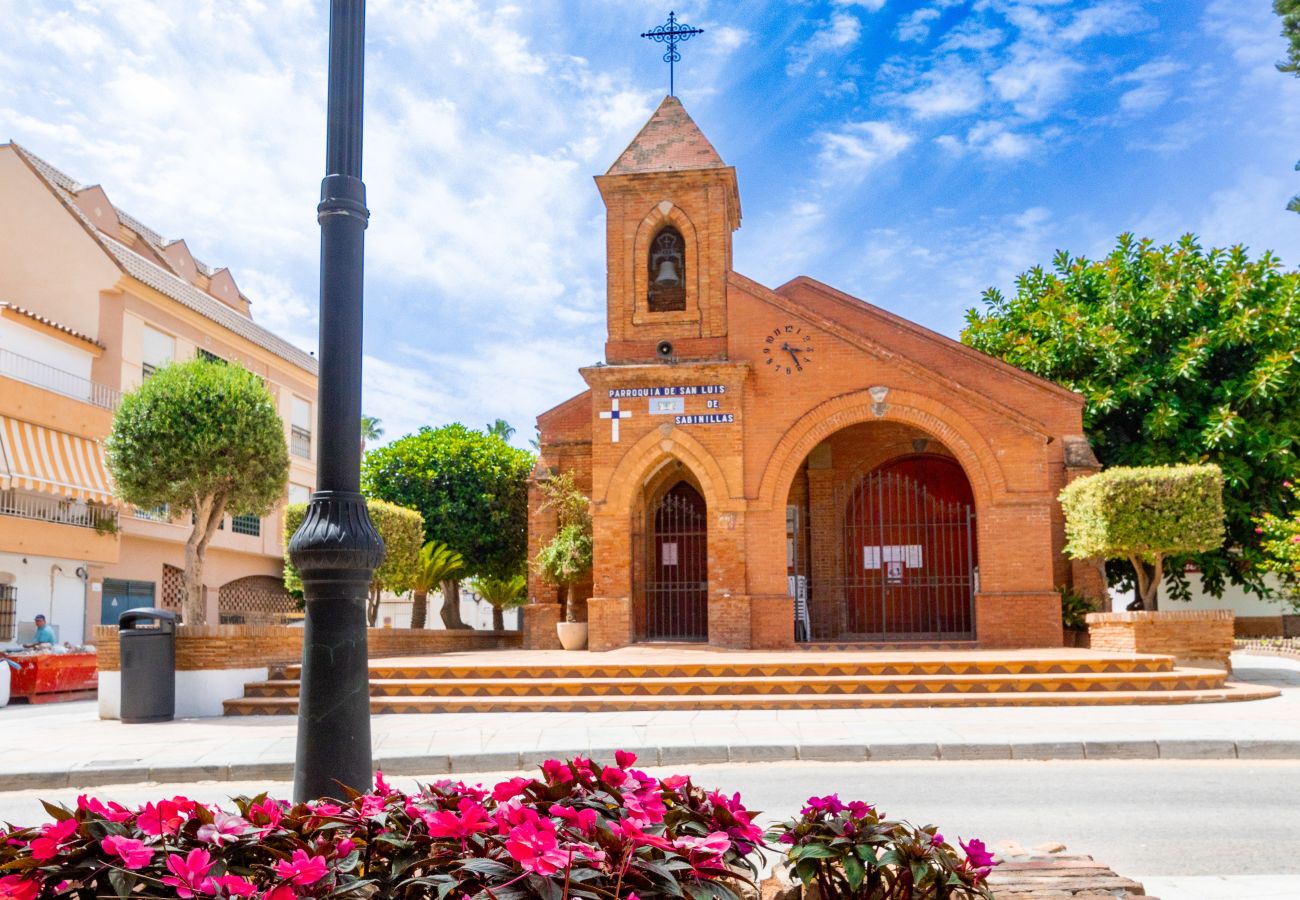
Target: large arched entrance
677,567
881,539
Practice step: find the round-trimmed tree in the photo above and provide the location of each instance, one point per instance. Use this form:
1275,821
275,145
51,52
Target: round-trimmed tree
472,489
204,438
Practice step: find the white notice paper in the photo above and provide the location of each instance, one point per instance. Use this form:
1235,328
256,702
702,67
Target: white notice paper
668,553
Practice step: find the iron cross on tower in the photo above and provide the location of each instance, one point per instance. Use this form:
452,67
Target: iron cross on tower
671,33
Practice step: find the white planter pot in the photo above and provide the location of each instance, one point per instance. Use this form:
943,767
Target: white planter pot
573,635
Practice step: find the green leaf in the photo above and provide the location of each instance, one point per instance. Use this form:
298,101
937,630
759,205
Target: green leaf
854,871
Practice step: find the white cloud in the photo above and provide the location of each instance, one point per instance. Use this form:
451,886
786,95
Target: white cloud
859,147
868,5
949,90
1034,80
1152,85
916,27
840,33
993,140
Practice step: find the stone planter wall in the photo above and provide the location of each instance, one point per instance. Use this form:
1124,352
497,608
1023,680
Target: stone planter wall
1197,638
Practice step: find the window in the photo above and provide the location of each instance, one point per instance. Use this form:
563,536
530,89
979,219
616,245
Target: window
300,428
155,514
667,271
209,356
299,493
251,525
159,350
8,612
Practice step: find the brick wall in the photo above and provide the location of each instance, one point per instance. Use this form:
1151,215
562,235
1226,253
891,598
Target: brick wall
252,646
1018,620
1258,626
1193,637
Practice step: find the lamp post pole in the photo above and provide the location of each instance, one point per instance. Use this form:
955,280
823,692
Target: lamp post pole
336,549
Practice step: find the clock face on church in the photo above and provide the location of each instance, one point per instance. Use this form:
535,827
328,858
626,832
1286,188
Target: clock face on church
787,349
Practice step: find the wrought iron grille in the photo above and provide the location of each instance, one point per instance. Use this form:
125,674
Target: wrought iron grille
906,563
8,612
251,525
255,600
300,442
173,588
677,568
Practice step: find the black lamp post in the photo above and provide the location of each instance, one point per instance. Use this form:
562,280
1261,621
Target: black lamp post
337,548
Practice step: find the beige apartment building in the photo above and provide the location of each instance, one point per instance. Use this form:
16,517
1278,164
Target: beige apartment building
91,302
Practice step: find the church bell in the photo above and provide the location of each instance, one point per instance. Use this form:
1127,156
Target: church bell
667,277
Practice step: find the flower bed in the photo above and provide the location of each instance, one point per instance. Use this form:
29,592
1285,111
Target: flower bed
1289,647
582,830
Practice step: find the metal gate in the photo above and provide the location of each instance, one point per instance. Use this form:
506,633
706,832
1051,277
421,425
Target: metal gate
908,562
677,568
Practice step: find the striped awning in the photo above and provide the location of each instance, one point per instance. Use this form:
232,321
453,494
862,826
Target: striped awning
36,458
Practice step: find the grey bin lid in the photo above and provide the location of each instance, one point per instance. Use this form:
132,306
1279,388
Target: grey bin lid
147,619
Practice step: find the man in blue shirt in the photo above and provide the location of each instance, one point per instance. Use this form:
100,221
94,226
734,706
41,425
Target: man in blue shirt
44,633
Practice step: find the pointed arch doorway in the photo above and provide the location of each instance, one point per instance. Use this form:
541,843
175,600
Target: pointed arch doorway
677,567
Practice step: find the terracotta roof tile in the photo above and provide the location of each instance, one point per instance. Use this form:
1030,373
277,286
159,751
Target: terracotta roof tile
670,141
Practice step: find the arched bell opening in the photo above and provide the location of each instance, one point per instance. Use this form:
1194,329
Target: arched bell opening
881,539
667,271
672,604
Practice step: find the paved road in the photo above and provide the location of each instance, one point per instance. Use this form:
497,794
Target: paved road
1143,818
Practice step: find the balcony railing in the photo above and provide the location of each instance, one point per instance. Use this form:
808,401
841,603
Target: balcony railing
45,508
300,442
22,368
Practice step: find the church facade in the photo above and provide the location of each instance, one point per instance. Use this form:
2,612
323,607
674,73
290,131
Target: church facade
776,467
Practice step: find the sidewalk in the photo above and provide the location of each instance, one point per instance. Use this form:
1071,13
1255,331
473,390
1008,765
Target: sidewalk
67,745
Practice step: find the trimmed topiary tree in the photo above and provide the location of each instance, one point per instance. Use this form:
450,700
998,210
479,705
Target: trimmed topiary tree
402,531
204,438
1144,515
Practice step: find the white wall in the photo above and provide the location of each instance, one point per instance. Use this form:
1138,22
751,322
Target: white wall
65,608
1234,598
395,612
45,349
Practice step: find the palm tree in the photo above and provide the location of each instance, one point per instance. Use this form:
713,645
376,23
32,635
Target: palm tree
502,429
371,430
438,563
502,593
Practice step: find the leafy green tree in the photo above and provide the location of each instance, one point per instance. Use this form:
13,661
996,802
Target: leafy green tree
1280,537
371,430
437,567
501,594
402,531
203,438
1182,356
566,559
473,491
1289,10
1144,515
502,429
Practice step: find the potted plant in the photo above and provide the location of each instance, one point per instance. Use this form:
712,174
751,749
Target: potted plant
566,559
1074,616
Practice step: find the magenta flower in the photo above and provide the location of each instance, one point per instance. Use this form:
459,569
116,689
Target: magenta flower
53,836
676,782
512,788
223,829
613,776
534,846
266,814
229,886
556,772
301,869
936,839
134,854
473,819
583,820
978,857
164,818
370,805
381,786
704,851
624,758
632,832
16,887
188,872
114,812
279,892
829,804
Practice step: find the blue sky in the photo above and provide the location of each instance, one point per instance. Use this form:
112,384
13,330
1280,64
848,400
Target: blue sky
910,153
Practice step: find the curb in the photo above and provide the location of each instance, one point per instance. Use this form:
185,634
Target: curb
482,763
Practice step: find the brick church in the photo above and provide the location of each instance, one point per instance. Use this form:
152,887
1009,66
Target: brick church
775,466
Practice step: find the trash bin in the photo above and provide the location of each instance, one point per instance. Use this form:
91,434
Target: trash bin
147,638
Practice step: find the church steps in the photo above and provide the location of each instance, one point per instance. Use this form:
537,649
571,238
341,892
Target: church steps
862,667
569,703
1180,679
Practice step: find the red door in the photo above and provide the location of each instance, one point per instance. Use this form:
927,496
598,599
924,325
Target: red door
909,552
677,591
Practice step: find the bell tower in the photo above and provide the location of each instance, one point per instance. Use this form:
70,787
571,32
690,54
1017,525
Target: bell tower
671,205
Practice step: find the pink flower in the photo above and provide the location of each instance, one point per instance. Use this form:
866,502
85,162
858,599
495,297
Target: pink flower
534,846
266,814
624,758
53,836
936,839
1259,531
613,776
229,886
16,887
584,820
370,805
676,782
114,812
166,817
381,786
473,819
512,788
327,809
978,856
828,804
645,808
344,848
223,829
301,870
188,872
705,851
279,892
1295,538
134,854
632,832
556,772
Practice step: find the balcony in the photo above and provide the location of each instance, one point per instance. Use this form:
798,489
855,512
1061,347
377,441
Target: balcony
58,511
300,442
30,371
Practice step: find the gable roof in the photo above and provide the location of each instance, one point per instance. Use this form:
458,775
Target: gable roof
670,141
156,276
